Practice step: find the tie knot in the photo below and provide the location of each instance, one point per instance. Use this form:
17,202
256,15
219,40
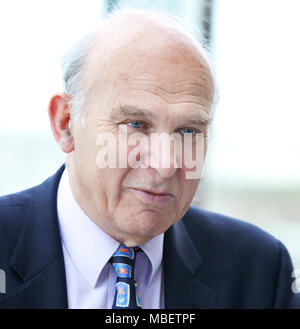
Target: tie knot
123,261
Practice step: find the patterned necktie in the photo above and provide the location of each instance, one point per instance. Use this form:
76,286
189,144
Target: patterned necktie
127,293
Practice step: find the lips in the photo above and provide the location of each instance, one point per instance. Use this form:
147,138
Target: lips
157,199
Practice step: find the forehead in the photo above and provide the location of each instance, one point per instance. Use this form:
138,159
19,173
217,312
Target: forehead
152,67
160,75
139,40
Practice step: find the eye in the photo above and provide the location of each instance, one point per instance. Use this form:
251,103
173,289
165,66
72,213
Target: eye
188,131
136,124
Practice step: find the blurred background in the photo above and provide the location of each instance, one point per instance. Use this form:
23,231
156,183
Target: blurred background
253,164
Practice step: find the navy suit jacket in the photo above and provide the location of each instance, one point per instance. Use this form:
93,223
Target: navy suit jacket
210,261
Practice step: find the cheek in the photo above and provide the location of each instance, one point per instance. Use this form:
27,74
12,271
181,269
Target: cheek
188,189
193,157
107,184
85,153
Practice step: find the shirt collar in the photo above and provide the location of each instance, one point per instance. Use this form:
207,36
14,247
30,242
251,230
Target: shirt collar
154,250
88,246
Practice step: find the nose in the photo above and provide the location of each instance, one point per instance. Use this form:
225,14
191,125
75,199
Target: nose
166,172
163,163
163,158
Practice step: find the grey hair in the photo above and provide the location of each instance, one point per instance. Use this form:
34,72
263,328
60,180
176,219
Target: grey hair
73,84
74,59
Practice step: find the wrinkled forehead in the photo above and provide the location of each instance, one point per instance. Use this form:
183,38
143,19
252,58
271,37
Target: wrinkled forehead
123,49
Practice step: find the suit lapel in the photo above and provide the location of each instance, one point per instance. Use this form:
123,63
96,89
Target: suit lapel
38,258
46,289
182,263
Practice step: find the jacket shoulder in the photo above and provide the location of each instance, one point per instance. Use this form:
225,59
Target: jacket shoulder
13,209
226,232
16,208
239,256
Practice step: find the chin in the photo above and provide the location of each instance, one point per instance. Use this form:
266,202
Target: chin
151,223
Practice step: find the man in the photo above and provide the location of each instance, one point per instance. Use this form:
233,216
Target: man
125,236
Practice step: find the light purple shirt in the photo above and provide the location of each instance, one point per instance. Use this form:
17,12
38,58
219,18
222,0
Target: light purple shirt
87,249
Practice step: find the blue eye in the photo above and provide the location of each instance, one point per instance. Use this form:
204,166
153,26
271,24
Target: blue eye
188,131
135,124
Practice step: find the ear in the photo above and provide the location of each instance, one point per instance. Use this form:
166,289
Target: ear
59,115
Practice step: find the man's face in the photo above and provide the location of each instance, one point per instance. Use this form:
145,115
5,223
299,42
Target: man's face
147,92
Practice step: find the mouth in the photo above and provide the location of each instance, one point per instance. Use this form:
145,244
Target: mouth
150,197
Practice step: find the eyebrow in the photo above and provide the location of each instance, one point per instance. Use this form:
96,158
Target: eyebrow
132,111
197,121
138,112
